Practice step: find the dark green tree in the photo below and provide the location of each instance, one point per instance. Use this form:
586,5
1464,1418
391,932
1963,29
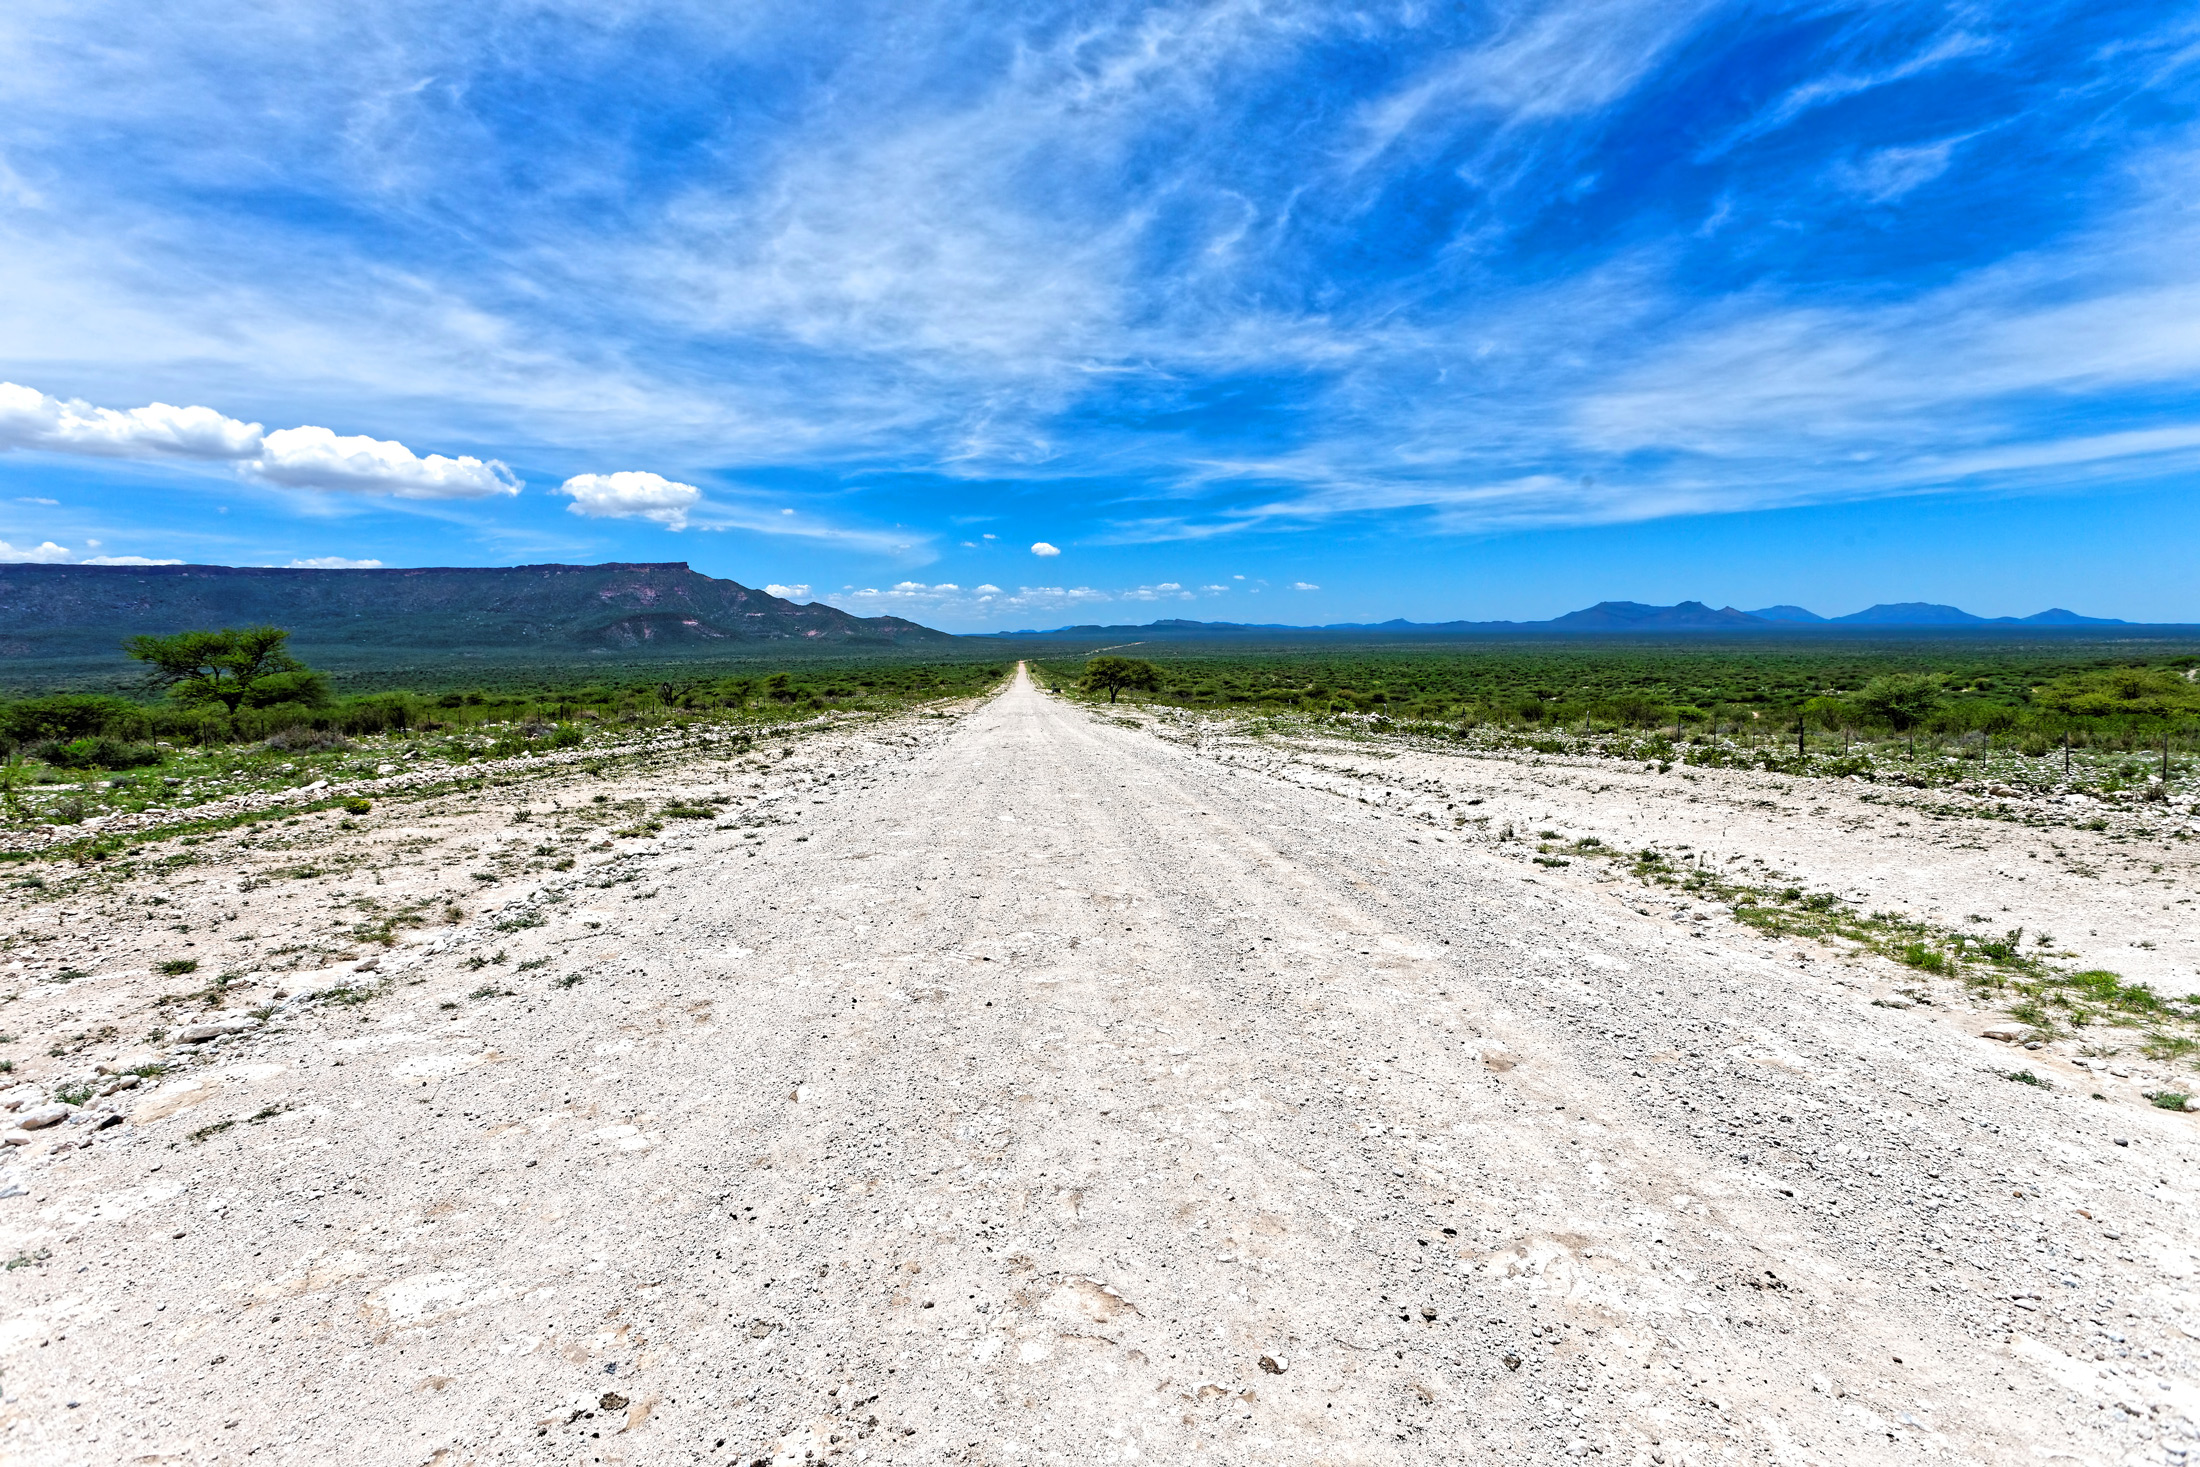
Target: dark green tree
237,667
1114,674
1900,700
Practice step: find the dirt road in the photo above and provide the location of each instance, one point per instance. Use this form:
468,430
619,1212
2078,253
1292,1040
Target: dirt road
1051,1092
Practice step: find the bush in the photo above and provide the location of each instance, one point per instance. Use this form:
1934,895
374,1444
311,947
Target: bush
177,967
102,752
306,741
67,716
357,806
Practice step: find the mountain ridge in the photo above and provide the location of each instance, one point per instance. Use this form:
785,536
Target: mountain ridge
1621,616
64,610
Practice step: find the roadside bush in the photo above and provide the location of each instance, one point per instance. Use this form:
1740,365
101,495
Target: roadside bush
102,752
306,741
65,717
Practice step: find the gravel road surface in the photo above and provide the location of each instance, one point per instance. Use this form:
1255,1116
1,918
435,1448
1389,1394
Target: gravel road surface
1029,1088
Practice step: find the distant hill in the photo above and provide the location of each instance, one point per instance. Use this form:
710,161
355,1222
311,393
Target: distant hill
1605,616
1927,614
1629,616
49,611
1909,614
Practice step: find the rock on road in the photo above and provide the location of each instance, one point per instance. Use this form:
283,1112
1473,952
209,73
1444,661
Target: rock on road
1065,1096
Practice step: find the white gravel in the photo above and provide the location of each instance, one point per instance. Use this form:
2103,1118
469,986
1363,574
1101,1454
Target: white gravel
1031,1088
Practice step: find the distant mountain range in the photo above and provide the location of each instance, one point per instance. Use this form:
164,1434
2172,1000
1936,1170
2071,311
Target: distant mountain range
1623,616
79,610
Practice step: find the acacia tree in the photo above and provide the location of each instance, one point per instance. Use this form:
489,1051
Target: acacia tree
1901,700
237,667
1117,673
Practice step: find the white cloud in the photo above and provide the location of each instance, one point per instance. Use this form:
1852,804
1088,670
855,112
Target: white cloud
316,458
46,554
30,419
787,593
1304,586
988,590
34,499
1888,174
294,458
632,495
334,562
1043,549
127,560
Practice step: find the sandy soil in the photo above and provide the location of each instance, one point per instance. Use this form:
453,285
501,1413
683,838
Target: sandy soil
1024,1087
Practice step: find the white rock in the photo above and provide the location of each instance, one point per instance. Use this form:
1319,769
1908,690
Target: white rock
200,1033
42,1117
19,1097
2006,1033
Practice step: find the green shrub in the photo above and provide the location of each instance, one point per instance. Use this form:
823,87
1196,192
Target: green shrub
1918,955
177,967
68,716
100,752
357,807
2104,987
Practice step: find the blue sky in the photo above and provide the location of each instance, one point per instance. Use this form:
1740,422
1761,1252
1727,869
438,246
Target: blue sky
1248,311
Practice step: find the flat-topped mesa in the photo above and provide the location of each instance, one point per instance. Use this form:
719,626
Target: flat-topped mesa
58,610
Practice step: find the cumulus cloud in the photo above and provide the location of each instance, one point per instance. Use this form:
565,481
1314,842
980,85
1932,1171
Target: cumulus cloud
787,593
127,560
632,494
316,458
294,458
46,554
1044,549
1304,586
334,562
30,419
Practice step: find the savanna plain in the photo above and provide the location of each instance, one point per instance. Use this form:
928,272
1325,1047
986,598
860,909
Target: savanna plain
1022,1077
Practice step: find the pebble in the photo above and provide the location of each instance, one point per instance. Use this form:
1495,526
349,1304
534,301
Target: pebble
42,1117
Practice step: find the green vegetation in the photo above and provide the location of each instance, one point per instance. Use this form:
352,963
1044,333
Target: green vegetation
1917,710
2003,968
243,718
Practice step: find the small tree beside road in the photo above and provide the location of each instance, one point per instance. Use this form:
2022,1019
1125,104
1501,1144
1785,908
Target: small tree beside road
1114,674
237,667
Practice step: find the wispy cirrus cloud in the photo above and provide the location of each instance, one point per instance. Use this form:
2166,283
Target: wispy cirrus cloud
1194,269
